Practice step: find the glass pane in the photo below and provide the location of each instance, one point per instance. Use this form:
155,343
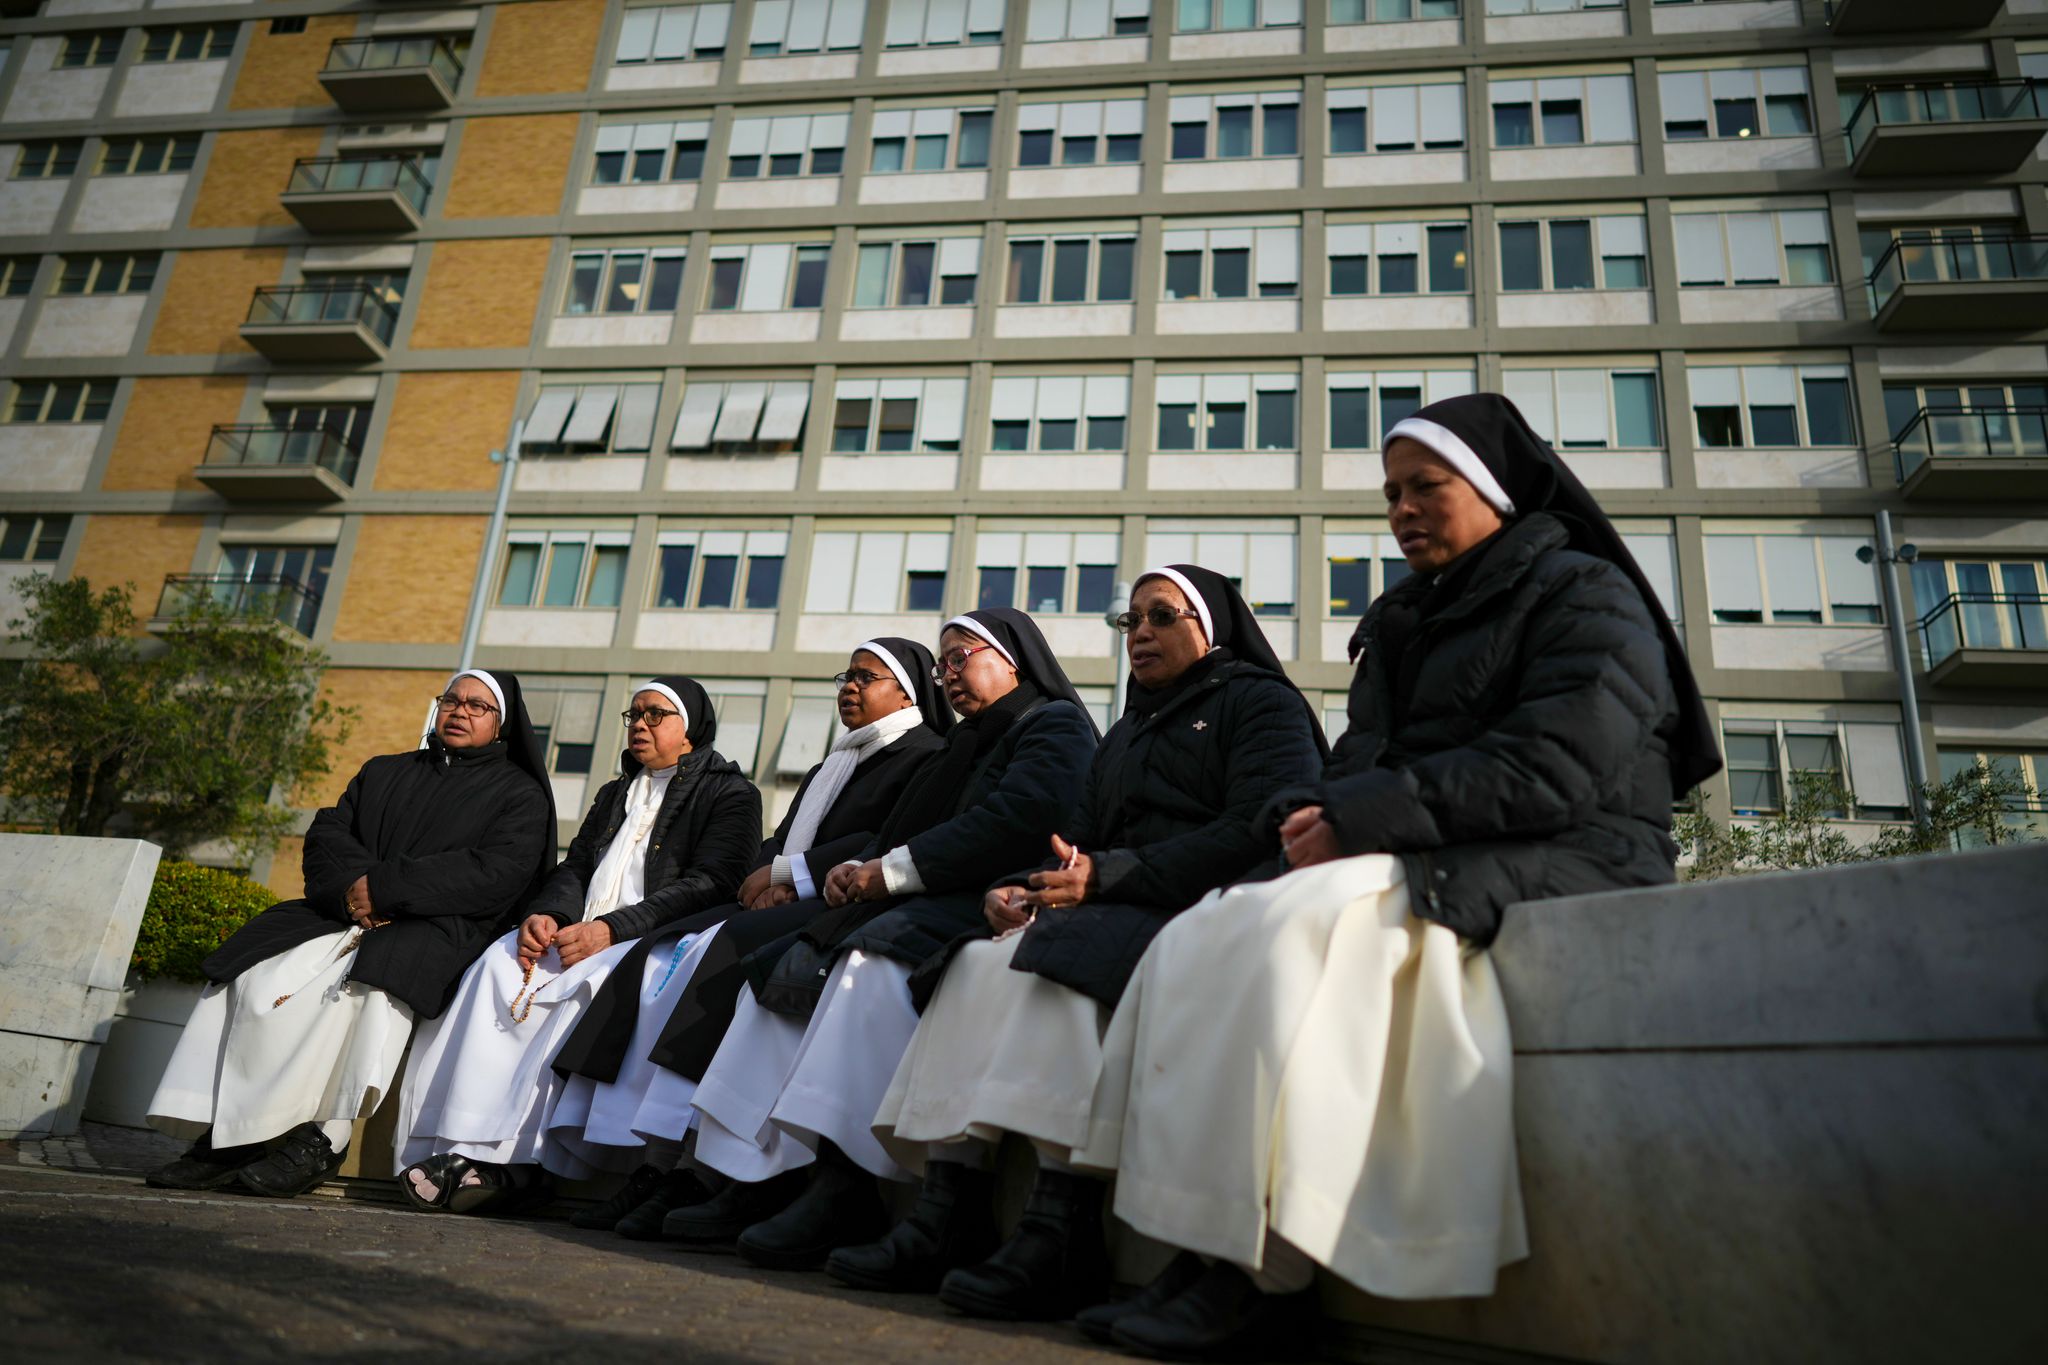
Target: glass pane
1027,267
1105,433
1113,268
1521,256
1347,131
672,575
607,577
721,572
1234,131
1397,275
764,582
974,136
1046,589
1735,118
1513,126
1635,412
1276,420
1058,435
1183,274
1070,271
565,575
809,289
1447,260
1396,404
1230,274
1283,130
998,588
914,289
1562,123
1571,254
1190,141
1350,585
871,276
1351,419
522,562
1176,426
1827,413
1034,148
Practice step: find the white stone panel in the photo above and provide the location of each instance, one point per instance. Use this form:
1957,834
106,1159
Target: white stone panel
43,94
1027,472
1382,37
28,208
2012,724
1720,18
937,61
72,326
1962,361
1353,469
1545,28
1066,320
1077,637
1961,205
877,473
1074,182
1236,173
1227,317
1901,61
1578,308
829,633
1395,168
794,192
662,76
907,324
599,329
551,628
736,328
831,66
1397,311
1780,303
47,459
1719,468
57,9
1259,42
924,187
160,88
1618,468
1743,154
1086,52
1837,649
730,473
10,318
129,203
699,631
1200,471
670,196
580,473
1566,163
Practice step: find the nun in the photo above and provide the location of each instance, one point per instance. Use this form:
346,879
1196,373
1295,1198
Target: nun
786,1105
671,835
1313,1071
425,857
633,1061
1011,1041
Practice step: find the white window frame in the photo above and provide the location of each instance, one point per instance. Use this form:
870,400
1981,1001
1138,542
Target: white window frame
1431,386
1575,408
1507,9
1208,390
1266,14
1343,241
942,23
1056,21
786,28
1691,96
189,43
545,703
1207,110
1732,242
662,35
953,258
615,418
1037,399
1601,114
1751,382
869,572
1368,12
762,138
44,529
741,416
773,293
1876,745
1261,561
124,267
1754,574
44,392
595,544
1094,122
1273,258
909,127
1399,119
1021,551
609,261
1611,236
1379,550
132,148
631,142
1048,243
940,412
747,548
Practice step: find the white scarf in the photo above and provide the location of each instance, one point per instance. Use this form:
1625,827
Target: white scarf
848,753
618,878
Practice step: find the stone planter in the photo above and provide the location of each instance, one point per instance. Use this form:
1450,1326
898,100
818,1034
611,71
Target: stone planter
147,1022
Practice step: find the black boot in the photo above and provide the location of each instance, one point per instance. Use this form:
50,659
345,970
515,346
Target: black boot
679,1189
1180,1274
604,1217
839,1207
294,1166
952,1226
733,1209
1221,1316
202,1167
1052,1265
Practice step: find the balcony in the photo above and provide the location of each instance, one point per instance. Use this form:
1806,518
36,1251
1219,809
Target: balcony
1924,283
380,75
1903,16
272,600
1974,128
272,464
360,194
1993,454
323,322
1988,640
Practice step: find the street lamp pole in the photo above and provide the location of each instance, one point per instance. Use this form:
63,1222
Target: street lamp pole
1119,603
1888,558
508,462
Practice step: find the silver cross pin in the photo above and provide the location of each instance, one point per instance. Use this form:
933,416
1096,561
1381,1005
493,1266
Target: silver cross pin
1201,725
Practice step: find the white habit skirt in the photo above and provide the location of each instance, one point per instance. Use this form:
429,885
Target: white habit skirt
291,1040
480,1084
1305,1057
615,1125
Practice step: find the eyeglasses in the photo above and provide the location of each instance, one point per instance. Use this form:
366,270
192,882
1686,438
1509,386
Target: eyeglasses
653,715
1160,617
468,706
862,678
953,660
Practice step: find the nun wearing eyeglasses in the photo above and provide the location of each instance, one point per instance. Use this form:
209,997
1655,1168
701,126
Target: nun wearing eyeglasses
408,876
1314,1071
633,1061
785,1109
1011,1041
668,837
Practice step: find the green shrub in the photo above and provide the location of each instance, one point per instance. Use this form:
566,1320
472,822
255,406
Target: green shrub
191,912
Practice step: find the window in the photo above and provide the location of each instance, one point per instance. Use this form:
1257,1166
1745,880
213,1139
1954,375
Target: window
1771,102
943,23
878,572
916,274
1080,133
930,140
1397,258
1504,8
1071,269
60,400
564,569
1559,253
1059,412
564,718
270,573
673,33
1260,562
1771,405
648,153
1390,11
1999,251
786,145
1396,118
1045,572
48,158
197,42
1233,262
1789,247
1975,420
121,273
1225,127
1589,409
591,419
1205,16
1055,20
17,276
303,431
635,280
768,277
1981,604
2024,815
719,570
743,416
288,26
1226,412
1563,111
1365,405
1361,567
1766,757
794,26
89,49
148,155
896,416
1791,580
29,538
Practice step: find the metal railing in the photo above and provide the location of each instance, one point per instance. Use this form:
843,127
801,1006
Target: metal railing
1889,106
1984,620
273,597
353,175
1916,260
396,54
1972,433
374,306
282,446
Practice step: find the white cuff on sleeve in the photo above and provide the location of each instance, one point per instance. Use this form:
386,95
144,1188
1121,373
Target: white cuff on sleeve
779,873
800,878
899,873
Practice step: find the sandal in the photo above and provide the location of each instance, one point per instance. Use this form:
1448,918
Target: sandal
448,1183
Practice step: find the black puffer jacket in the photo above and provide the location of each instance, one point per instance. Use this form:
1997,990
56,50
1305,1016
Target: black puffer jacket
1530,759
701,845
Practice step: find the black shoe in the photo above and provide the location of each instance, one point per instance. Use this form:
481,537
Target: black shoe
1180,1274
840,1206
681,1188
952,1226
733,1209
203,1168
1221,1316
1052,1266
604,1217
294,1166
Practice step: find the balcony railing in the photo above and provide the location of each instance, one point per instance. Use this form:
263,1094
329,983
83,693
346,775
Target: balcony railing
395,54
375,307
1888,106
1957,259
341,175
1984,620
1970,434
260,446
274,597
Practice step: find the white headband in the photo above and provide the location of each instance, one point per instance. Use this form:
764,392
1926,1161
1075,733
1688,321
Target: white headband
980,632
651,686
1460,456
1195,599
488,681
902,673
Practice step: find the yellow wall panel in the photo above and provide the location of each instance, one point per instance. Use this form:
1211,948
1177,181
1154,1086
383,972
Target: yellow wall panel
164,435
545,48
482,293
442,429
512,167
391,709
136,549
282,70
247,172
409,579
287,877
207,299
